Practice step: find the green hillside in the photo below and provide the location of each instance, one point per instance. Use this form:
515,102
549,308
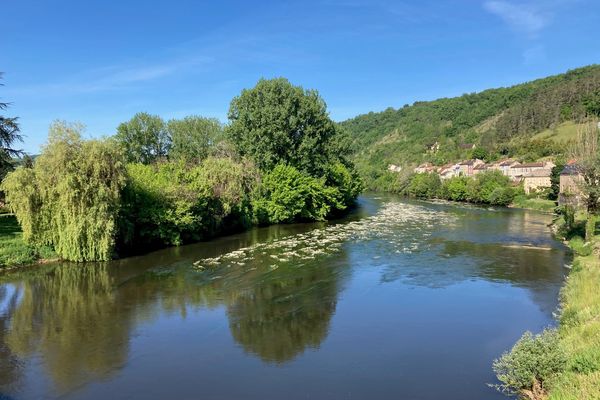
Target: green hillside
528,121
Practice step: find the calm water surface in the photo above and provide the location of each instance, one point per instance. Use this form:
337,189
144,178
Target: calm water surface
401,300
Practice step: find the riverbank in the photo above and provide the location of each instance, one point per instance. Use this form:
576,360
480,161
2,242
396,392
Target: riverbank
14,252
579,327
563,363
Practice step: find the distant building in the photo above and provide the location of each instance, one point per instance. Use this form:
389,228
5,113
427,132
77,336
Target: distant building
466,167
570,192
479,169
519,171
394,168
425,167
537,179
503,166
448,171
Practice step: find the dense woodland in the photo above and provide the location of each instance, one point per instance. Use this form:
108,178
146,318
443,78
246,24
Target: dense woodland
280,159
503,122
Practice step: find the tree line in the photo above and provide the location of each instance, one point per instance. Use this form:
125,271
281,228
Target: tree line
155,183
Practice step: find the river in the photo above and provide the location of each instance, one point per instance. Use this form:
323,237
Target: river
399,300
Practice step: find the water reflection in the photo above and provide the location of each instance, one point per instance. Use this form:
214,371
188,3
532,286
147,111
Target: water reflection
65,326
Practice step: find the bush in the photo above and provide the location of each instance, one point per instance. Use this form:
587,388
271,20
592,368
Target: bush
490,186
172,204
425,186
531,364
287,195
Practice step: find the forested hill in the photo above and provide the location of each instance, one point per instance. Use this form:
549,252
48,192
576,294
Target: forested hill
528,121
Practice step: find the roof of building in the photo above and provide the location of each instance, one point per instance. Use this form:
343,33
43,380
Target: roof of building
481,166
571,169
538,173
506,163
530,165
467,162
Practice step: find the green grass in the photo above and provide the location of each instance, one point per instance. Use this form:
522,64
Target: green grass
13,250
580,331
533,203
561,133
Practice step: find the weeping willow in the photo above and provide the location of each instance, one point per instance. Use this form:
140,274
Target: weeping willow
70,198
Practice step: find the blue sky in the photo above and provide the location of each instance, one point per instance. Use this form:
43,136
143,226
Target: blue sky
100,62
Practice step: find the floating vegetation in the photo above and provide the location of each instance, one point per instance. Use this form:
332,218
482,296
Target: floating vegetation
328,240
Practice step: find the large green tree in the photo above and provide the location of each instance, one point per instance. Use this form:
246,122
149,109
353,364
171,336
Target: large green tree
192,138
144,139
279,123
9,135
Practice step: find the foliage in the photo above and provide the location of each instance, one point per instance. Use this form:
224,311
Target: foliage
480,153
424,185
172,203
287,194
278,123
70,198
456,189
531,364
144,139
586,150
193,137
347,183
9,135
490,187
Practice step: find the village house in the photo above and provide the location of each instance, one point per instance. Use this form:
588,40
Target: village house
425,167
448,171
479,169
570,192
503,166
519,171
394,168
466,167
536,180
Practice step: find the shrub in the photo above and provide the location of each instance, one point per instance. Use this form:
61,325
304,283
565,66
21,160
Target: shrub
425,186
287,195
531,364
171,203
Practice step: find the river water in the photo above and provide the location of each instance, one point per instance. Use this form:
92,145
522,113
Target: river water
400,300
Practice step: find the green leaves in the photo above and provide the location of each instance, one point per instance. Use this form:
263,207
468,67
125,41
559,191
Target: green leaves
531,364
144,139
278,123
70,198
288,195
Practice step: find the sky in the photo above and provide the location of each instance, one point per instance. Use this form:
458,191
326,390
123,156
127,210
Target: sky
100,62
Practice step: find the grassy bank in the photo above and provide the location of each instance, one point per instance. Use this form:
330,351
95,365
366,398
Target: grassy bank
538,204
563,363
13,250
580,330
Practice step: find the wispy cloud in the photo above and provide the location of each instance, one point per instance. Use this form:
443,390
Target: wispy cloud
112,78
523,18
